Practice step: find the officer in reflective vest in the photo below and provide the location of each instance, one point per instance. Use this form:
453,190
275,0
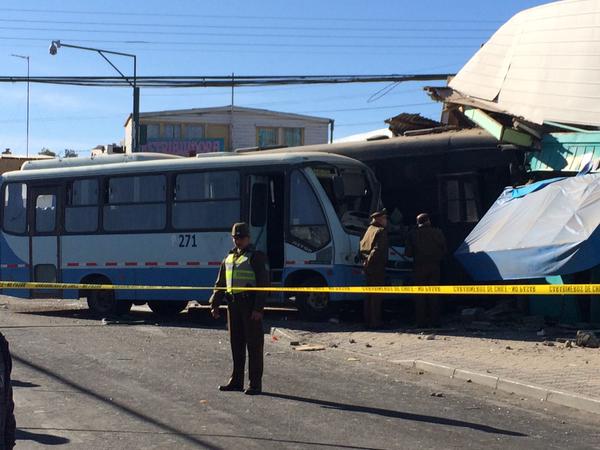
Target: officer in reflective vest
243,267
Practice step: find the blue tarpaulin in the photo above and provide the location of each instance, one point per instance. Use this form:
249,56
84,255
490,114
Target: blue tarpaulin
537,231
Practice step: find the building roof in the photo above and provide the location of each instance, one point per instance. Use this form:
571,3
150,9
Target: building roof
228,109
542,65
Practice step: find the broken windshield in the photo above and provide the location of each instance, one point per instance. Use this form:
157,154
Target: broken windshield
350,191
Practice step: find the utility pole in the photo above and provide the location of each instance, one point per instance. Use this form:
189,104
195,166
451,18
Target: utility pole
27,143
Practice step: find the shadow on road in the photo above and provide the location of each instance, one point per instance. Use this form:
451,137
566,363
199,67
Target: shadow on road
397,414
113,403
23,384
44,439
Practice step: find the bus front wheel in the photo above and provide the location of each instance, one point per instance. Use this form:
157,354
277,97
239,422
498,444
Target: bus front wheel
102,303
167,308
313,305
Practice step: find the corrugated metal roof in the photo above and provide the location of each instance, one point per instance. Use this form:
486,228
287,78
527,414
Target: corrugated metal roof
542,65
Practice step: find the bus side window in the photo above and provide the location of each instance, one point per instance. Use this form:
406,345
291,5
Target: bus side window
15,208
81,212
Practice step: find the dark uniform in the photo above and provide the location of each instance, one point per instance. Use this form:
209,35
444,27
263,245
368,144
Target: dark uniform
374,252
7,416
243,268
427,246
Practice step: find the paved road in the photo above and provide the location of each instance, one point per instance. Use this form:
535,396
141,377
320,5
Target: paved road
81,384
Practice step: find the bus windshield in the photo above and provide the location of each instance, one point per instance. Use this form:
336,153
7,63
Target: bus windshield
351,194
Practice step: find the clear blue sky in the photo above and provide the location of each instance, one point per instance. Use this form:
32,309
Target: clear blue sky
305,37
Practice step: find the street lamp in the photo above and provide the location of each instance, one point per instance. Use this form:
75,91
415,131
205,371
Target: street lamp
55,45
27,58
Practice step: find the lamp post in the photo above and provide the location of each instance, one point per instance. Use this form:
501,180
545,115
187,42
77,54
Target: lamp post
27,58
55,45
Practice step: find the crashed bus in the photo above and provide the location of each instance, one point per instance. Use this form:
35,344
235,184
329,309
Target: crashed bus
151,219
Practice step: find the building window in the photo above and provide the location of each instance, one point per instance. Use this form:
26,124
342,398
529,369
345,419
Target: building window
460,195
171,131
266,136
193,132
136,203
152,131
292,137
15,208
269,136
206,200
81,211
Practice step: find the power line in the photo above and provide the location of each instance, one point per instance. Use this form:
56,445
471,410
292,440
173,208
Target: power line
153,26
224,81
369,108
243,44
246,35
245,17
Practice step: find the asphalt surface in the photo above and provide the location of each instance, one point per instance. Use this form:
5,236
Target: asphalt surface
144,384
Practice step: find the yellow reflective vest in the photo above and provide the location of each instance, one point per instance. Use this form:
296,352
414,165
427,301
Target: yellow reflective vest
239,273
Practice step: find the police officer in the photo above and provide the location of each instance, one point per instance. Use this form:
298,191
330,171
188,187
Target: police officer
243,267
7,416
427,246
374,253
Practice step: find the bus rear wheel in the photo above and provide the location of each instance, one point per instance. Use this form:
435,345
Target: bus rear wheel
167,308
102,303
314,306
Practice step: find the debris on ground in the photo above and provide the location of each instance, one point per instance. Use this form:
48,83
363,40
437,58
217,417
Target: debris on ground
352,359
569,344
587,339
508,347
309,348
352,341
437,394
469,315
294,343
368,345
548,343
430,337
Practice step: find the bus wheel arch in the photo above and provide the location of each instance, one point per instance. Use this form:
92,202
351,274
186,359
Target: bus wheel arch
102,302
311,305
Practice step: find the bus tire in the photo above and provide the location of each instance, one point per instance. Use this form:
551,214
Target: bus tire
313,306
167,308
102,303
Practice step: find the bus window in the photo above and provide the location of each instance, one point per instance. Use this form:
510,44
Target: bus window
207,200
15,208
308,226
354,204
45,213
81,212
136,203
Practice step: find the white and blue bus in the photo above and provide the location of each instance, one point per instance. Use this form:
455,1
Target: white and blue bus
150,219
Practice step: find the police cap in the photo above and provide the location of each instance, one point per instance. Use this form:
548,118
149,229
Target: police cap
381,212
240,229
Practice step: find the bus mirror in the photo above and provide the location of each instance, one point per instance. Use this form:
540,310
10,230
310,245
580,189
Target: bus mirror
258,206
338,187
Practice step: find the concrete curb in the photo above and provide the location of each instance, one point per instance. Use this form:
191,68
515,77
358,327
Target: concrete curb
507,385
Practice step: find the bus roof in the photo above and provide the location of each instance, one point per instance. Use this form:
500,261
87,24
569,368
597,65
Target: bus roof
224,161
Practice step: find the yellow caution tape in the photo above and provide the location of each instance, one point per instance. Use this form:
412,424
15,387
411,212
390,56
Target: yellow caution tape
488,289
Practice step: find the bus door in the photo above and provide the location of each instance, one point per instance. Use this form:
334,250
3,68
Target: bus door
44,207
266,219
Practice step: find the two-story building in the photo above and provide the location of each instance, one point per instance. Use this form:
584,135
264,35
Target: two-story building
189,132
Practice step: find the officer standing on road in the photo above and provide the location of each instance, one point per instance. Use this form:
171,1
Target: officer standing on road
374,252
427,246
243,267
7,416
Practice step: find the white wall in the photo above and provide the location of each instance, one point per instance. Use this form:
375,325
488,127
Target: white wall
243,126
